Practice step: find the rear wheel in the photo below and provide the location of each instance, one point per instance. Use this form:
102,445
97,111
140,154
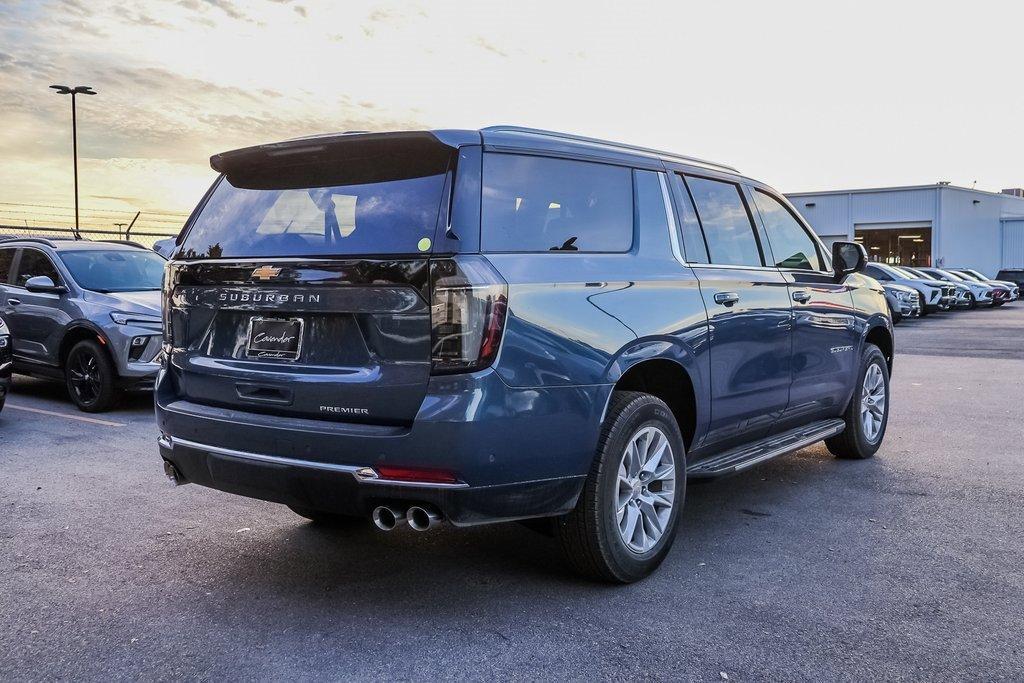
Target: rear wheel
868,413
626,518
90,377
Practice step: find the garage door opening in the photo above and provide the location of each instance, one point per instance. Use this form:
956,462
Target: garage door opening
897,246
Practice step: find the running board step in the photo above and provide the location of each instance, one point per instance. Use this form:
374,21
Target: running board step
742,457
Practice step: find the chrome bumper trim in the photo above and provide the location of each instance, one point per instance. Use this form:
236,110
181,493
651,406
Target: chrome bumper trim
362,474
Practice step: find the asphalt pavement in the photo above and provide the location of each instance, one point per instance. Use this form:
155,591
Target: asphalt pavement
904,567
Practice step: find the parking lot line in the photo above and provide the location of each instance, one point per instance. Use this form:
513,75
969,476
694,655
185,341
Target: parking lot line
80,418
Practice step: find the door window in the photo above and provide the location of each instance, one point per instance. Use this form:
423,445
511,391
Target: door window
791,245
6,258
726,222
33,264
533,204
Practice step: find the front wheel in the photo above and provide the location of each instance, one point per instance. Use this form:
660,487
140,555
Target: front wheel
90,377
868,413
626,518
972,303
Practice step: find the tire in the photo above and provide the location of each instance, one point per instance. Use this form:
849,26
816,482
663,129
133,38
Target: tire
895,316
924,308
90,377
325,518
855,442
590,535
972,303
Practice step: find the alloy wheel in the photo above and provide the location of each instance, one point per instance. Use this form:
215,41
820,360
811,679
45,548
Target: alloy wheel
84,374
646,489
872,403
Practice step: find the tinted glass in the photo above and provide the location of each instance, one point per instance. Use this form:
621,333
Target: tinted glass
541,204
791,246
650,204
874,271
6,258
727,227
693,238
115,271
33,264
379,217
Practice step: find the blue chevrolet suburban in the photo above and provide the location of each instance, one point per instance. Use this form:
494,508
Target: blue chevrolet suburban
507,324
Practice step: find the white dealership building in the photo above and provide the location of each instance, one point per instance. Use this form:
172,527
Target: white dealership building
937,225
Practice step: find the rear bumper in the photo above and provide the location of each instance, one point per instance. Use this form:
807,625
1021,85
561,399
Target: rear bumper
341,490
517,453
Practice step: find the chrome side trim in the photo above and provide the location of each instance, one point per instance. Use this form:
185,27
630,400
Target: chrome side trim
673,228
362,474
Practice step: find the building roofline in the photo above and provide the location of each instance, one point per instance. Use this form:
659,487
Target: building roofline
900,188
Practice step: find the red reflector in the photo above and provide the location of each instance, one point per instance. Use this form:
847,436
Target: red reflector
417,474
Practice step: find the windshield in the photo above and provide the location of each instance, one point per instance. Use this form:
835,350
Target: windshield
977,275
968,275
946,275
121,270
905,273
357,207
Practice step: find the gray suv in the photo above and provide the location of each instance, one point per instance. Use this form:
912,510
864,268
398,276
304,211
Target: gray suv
87,313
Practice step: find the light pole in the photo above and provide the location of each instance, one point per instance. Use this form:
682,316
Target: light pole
77,90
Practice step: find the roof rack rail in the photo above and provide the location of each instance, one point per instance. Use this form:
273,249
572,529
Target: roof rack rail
48,241
609,143
127,243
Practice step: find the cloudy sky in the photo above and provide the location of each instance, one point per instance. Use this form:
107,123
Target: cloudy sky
809,95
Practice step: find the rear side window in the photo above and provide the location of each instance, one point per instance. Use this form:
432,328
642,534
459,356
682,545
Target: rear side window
6,258
535,204
33,264
693,238
727,227
791,245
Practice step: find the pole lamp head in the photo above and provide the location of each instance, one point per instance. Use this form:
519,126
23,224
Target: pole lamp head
77,90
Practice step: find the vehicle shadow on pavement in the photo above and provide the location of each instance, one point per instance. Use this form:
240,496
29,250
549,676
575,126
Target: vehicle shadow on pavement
133,402
303,562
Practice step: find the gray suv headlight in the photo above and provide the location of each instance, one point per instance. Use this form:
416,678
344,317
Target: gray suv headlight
140,319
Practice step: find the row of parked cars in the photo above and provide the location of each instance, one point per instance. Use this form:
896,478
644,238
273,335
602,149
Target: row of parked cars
918,291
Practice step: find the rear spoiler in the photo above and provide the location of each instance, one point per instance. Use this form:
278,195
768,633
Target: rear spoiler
320,160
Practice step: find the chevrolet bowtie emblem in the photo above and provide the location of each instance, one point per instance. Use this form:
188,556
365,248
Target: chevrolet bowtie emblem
265,273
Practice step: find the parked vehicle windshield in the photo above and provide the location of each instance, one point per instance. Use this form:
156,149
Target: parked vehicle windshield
121,270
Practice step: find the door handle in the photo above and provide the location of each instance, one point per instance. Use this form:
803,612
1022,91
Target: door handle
14,302
801,297
726,298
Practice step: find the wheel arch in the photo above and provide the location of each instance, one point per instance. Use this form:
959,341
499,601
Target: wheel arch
881,336
82,331
669,380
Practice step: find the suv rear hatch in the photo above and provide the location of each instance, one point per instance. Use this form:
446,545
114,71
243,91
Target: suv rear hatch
301,287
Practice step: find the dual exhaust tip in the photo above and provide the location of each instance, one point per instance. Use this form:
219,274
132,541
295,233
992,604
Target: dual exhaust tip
418,517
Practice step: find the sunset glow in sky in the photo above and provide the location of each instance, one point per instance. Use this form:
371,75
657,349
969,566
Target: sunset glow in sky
802,95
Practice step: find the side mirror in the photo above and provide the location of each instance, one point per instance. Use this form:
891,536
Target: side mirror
41,284
848,257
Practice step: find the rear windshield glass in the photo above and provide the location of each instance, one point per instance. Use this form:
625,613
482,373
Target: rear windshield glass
371,212
123,270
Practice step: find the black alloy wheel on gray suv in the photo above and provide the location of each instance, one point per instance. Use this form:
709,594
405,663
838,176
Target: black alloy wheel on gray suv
90,377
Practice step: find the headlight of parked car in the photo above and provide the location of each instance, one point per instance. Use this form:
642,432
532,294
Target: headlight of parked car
140,319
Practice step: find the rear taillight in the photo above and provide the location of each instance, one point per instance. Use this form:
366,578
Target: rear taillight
467,314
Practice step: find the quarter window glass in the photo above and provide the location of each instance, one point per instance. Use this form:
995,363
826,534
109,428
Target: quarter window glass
33,264
791,245
693,239
651,218
727,227
6,257
541,204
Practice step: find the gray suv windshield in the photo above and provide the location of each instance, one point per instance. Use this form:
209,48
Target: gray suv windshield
115,270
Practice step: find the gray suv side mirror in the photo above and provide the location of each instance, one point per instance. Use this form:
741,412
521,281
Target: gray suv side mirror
41,284
848,257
